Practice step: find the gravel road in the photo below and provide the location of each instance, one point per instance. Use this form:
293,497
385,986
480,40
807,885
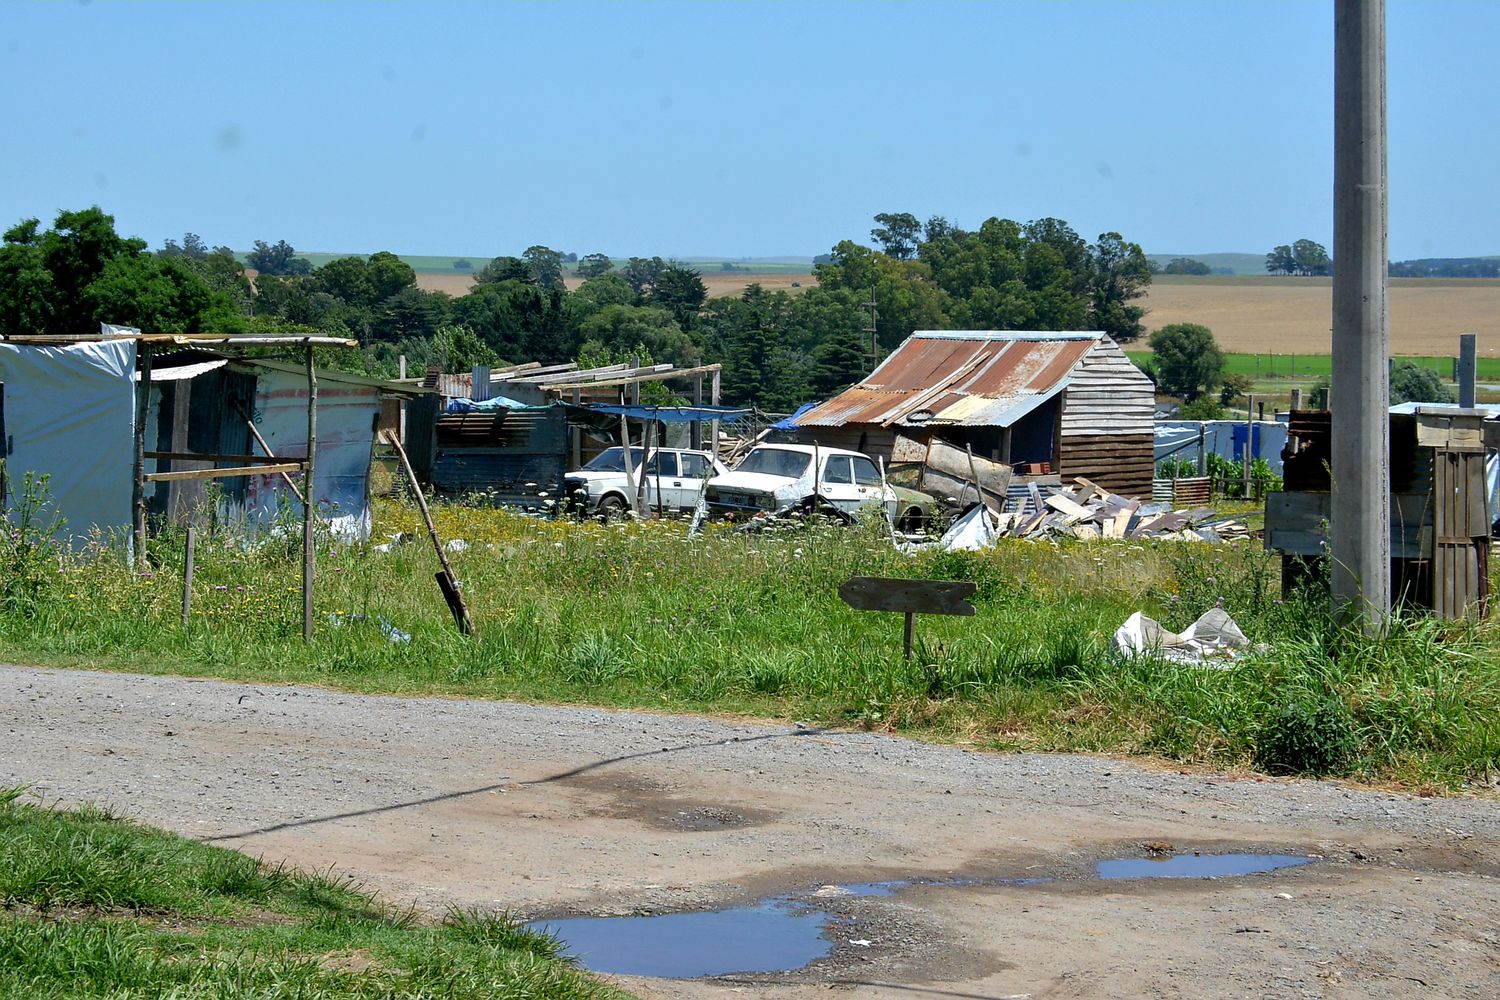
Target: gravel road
552,812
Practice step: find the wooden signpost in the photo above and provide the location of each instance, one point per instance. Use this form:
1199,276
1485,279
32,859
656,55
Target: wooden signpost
910,597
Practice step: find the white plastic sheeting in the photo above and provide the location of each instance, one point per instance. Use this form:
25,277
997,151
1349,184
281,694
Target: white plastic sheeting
341,466
973,532
69,413
1213,637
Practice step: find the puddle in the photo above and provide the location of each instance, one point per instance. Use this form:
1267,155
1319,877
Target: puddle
768,937
1197,865
785,933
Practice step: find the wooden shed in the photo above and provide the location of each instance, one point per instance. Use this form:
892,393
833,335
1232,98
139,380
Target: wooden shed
1059,402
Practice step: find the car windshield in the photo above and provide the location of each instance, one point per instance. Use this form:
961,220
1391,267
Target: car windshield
613,460
776,462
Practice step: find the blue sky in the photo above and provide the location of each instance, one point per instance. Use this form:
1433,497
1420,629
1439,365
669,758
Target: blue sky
719,128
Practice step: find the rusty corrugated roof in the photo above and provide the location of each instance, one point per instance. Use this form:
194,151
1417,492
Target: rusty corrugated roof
967,378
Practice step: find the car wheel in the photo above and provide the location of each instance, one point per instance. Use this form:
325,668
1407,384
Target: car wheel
911,521
612,507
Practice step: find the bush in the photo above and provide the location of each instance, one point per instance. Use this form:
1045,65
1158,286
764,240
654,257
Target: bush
1307,735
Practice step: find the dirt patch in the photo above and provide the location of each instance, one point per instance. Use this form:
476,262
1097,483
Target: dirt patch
652,803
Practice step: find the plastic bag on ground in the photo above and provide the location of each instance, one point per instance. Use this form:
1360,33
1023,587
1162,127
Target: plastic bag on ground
1214,636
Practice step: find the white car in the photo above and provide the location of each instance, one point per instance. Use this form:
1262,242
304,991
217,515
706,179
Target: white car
599,488
774,476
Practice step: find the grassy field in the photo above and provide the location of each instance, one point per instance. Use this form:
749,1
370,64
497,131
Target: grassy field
640,615
94,906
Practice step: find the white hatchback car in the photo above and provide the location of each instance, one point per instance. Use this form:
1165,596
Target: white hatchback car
774,476
600,486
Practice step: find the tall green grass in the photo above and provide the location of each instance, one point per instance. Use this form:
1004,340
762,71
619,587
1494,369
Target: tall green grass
641,615
94,906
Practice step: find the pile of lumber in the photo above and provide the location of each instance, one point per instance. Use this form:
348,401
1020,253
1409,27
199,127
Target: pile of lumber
1088,511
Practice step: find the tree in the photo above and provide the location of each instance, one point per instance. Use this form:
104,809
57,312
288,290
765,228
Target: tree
1185,265
1186,361
1310,258
898,234
1120,275
1414,383
27,292
593,265
457,349
1281,261
838,362
546,266
280,259
192,248
681,290
505,269
640,273
1233,386
157,295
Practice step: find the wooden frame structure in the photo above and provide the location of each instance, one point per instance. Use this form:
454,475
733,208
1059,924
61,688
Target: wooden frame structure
146,345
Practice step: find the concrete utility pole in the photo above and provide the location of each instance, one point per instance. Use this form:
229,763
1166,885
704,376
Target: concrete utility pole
1468,353
1360,529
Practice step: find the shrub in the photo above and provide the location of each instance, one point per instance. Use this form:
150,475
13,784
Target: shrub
1307,735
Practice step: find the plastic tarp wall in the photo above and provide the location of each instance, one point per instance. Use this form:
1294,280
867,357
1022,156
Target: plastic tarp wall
341,466
70,413
1225,438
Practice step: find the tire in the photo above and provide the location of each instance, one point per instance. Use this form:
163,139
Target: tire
911,521
612,507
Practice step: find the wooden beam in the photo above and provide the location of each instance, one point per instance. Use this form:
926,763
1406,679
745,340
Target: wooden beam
191,456
657,377
230,473
447,582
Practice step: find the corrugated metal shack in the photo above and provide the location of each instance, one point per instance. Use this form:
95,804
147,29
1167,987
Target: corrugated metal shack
506,434
1068,403
1439,503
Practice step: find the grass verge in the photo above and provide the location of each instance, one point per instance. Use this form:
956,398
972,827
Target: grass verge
642,616
95,906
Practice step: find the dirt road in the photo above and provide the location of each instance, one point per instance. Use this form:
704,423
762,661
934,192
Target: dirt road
554,812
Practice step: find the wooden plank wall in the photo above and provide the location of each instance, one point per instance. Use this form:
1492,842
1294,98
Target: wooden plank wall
1108,423
1121,463
1461,529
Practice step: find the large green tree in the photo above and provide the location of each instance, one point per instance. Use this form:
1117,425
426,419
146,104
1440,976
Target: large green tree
1186,361
1119,276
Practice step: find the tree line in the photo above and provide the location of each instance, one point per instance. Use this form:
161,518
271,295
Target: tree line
778,349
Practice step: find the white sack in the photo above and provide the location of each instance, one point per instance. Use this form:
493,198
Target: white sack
1213,635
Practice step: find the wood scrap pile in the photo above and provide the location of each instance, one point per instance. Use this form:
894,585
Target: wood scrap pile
1088,511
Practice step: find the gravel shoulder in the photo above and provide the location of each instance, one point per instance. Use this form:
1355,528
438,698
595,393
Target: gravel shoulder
561,811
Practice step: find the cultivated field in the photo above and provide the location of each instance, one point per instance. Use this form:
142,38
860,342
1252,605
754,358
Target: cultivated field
1269,315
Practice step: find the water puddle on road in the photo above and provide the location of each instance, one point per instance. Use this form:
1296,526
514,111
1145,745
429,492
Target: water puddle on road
768,937
785,933
1196,865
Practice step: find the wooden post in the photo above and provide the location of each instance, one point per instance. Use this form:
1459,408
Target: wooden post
138,487
714,400
635,386
1202,451
625,454
401,404
187,575
656,444
447,582
1296,403
911,627
309,501
697,425
1245,461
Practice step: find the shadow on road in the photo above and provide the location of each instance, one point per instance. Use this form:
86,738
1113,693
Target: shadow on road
560,776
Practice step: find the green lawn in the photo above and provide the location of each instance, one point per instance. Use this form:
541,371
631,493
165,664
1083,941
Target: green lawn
1309,367
641,615
95,906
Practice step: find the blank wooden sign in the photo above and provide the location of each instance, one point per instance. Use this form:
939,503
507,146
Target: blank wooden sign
909,597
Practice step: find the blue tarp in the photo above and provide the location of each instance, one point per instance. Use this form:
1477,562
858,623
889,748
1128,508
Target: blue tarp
790,423
668,414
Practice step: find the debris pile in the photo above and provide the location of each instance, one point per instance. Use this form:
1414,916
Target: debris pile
1089,512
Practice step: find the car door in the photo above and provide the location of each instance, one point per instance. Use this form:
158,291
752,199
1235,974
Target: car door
836,485
661,474
694,472
868,484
